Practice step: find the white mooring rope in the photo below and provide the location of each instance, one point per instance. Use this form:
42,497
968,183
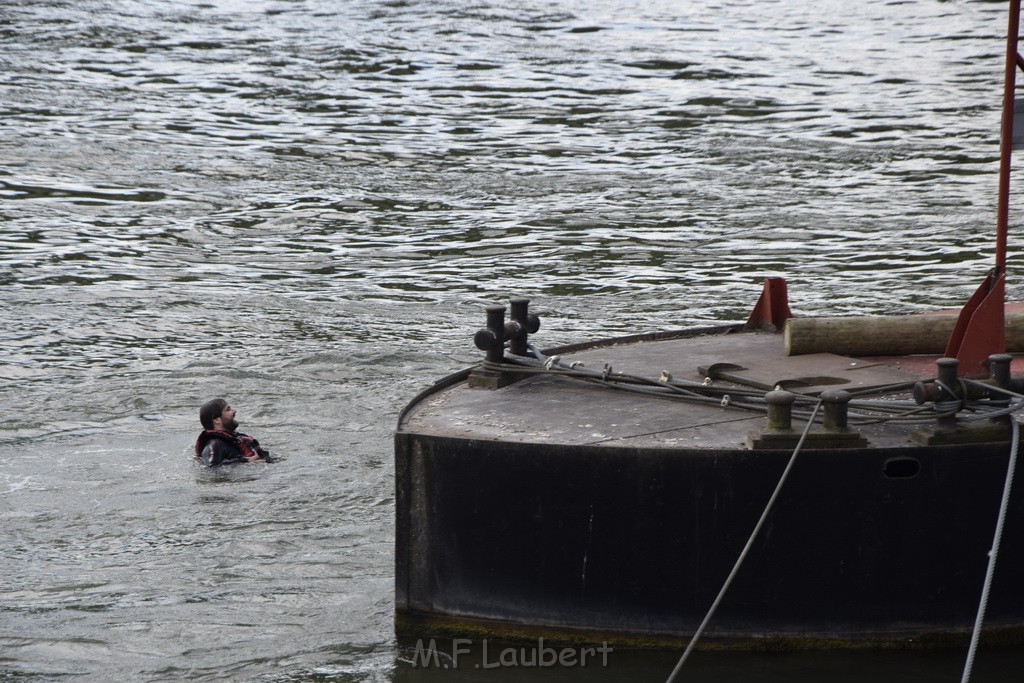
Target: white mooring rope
746,548
993,554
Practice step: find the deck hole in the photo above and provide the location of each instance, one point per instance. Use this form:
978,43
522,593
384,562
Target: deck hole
901,468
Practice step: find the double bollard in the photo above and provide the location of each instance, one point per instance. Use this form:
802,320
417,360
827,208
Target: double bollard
835,430
492,339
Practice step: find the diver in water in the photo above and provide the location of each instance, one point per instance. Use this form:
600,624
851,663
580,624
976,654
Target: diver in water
219,443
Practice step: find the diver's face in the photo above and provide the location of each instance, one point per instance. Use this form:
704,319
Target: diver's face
227,419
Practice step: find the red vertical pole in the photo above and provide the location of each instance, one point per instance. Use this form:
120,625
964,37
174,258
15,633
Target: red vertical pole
1006,139
981,327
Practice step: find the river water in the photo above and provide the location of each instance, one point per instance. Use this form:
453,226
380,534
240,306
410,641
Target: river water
305,206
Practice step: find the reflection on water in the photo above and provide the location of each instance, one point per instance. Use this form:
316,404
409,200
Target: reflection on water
305,206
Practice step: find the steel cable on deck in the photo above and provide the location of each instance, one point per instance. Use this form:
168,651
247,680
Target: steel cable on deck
860,410
1009,409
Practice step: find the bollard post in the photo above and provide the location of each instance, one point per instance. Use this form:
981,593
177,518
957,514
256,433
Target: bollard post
835,418
948,394
522,325
999,367
491,340
780,410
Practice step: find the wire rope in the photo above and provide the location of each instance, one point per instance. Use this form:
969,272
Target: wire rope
861,409
993,553
746,550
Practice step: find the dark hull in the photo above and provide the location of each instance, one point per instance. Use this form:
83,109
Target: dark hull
884,545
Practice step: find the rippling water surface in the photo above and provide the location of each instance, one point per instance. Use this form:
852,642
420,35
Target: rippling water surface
305,205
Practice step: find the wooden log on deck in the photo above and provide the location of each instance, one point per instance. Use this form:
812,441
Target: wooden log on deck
883,335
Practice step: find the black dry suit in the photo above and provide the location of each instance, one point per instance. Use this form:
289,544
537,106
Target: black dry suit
218,448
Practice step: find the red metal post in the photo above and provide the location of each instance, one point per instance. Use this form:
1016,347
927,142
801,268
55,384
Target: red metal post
772,310
1006,139
980,330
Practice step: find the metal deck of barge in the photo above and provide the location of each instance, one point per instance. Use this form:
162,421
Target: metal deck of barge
558,410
